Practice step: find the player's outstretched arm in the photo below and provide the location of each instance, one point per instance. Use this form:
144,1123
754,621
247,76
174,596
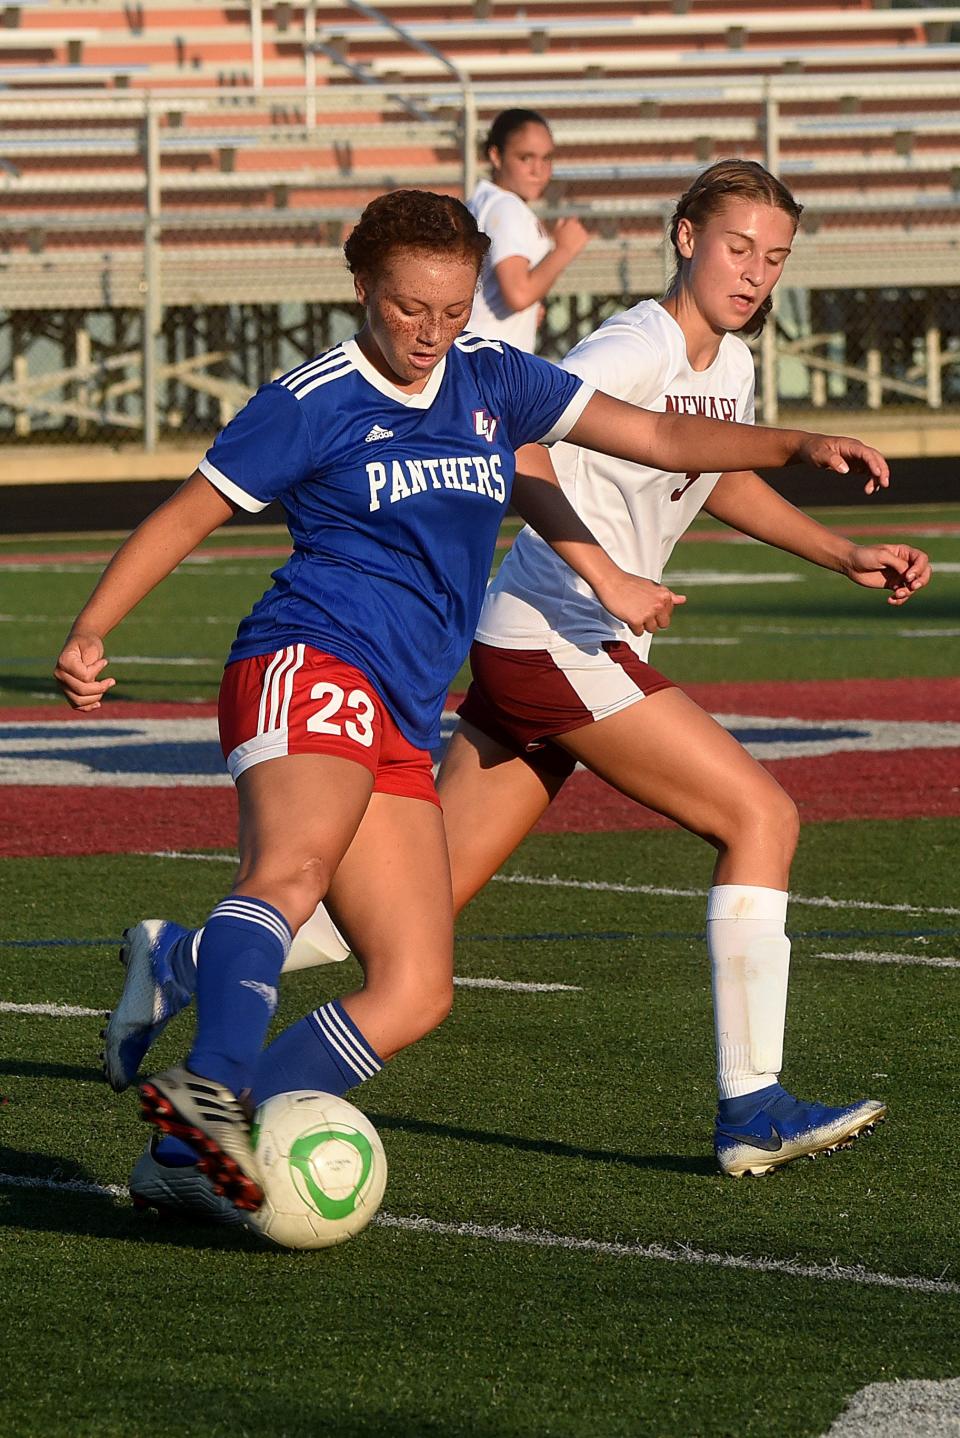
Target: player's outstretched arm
745,502
642,604
151,552
680,443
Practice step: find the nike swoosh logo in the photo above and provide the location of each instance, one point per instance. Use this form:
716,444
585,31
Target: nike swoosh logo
771,1142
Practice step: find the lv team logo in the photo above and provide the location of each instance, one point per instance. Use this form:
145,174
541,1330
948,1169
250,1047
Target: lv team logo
484,425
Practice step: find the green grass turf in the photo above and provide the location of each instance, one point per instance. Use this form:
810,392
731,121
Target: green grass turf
586,1114
817,627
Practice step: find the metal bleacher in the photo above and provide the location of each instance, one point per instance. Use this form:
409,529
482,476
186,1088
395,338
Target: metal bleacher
172,166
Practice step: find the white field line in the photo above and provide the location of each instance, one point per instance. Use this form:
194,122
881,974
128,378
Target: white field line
681,578
918,1407
54,1011
862,956
518,988
693,639
553,881
927,633
188,568
70,1011
796,631
543,1238
788,1267
818,902
164,660
64,1185
146,622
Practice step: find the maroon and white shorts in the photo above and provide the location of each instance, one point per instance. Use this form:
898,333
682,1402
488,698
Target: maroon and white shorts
523,698
302,701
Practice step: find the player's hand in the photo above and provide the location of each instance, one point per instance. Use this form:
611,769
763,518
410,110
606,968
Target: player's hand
898,567
845,455
645,607
570,237
78,669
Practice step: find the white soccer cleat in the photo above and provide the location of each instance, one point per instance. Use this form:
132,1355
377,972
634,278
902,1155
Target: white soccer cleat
150,998
210,1118
183,1190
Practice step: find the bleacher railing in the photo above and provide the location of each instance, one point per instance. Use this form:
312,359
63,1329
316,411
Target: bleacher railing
161,254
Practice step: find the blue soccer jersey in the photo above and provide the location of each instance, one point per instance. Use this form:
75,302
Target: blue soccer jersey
393,501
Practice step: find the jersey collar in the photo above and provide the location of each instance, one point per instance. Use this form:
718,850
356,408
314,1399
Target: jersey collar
422,400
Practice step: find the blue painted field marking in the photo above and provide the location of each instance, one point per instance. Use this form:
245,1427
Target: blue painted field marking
59,732
788,733
187,749
58,943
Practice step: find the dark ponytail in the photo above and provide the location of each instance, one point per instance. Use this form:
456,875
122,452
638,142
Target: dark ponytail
507,123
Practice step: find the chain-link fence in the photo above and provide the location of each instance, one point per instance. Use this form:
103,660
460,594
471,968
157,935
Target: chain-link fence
161,255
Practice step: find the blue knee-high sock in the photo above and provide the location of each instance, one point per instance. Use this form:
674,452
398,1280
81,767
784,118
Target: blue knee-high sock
324,1051
182,958
244,944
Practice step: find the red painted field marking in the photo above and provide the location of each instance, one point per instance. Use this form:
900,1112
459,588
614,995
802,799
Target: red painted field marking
892,784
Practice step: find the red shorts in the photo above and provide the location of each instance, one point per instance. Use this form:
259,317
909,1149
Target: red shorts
522,698
302,701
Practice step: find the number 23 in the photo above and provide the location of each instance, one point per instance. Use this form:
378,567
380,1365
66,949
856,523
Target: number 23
359,726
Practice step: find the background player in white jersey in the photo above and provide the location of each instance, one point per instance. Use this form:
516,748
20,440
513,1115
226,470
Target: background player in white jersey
558,681
393,455
521,264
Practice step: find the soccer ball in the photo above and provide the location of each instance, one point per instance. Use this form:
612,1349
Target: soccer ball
324,1169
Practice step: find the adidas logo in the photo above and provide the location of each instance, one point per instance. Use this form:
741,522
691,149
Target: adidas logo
263,991
378,433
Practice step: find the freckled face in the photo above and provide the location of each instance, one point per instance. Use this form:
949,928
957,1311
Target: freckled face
734,260
415,309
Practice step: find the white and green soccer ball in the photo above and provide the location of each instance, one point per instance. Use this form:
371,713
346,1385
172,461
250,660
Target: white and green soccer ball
323,1167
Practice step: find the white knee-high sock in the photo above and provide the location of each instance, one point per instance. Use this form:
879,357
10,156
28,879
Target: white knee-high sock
318,941
750,965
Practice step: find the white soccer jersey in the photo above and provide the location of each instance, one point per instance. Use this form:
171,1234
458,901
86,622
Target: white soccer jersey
536,601
514,230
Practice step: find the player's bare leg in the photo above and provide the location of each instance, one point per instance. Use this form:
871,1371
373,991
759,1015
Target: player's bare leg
298,815
667,753
391,899
391,896
491,800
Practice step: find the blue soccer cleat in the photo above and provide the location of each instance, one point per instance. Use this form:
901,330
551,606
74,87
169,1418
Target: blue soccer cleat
182,1190
151,996
781,1128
